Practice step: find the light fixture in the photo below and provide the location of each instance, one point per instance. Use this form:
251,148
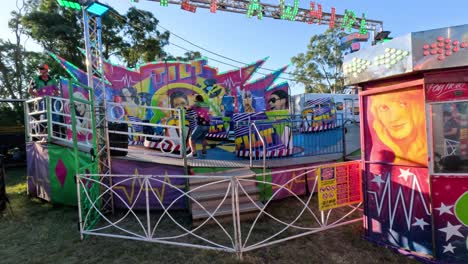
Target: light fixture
69,4
97,9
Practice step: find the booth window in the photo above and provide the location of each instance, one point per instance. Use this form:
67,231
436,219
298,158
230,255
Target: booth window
450,137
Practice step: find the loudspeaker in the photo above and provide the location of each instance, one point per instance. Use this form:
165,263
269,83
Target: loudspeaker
118,140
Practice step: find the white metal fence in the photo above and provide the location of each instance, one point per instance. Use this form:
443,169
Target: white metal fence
273,221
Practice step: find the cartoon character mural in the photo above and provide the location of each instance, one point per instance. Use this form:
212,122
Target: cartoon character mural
82,112
174,84
397,199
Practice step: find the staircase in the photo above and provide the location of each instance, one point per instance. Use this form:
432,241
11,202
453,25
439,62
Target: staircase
211,196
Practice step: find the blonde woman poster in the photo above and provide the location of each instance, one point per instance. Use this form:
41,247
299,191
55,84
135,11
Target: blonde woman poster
396,175
396,123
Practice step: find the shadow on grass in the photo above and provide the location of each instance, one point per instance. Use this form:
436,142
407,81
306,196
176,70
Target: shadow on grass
40,232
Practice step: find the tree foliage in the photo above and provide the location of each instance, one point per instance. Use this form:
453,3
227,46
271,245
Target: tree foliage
17,65
320,68
132,38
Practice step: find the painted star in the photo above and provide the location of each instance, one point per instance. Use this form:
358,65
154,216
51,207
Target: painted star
451,230
420,222
405,174
444,209
378,179
449,247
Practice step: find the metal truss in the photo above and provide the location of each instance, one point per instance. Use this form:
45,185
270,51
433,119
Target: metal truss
95,71
276,12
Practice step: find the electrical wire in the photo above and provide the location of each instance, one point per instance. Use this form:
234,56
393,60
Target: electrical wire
222,62
209,51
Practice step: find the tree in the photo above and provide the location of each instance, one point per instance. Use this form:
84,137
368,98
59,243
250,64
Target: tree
188,56
16,64
132,38
320,68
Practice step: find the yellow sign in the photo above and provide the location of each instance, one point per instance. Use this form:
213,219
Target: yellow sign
339,184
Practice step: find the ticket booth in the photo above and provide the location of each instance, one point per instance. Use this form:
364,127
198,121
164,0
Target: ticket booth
414,140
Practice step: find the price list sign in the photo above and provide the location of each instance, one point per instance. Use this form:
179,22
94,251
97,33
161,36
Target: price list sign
339,184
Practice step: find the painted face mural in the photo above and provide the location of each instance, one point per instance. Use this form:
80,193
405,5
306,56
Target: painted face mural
174,84
399,123
278,100
397,201
179,100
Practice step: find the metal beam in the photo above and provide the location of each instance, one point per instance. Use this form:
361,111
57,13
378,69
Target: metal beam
274,11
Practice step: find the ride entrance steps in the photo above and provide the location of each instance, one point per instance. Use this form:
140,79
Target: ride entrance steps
212,195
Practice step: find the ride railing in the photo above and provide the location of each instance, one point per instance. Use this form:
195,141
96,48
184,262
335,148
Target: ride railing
36,122
281,137
150,210
54,119
168,136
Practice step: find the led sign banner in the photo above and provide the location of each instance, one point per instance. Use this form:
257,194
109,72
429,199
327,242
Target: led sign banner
313,15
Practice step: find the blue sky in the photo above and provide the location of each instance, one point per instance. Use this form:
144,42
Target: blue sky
249,39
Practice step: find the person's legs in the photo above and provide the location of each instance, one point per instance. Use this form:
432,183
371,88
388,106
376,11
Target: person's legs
203,138
193,146
204,144
196,135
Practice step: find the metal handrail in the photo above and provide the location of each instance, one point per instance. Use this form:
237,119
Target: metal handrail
250,147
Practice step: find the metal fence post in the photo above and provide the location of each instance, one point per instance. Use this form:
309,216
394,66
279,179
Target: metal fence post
236,216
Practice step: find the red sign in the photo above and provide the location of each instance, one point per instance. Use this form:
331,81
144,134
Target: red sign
446,91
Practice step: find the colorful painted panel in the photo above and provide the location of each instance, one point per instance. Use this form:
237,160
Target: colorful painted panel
163,190
62,172
396,198
82,112
273,128
38,170
450,203
397,207
287,184
174,84
395,127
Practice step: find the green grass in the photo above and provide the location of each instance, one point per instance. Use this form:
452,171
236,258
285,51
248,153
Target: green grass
39,232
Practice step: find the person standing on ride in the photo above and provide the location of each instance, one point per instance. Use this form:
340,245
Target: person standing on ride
203,125
41,81
43,84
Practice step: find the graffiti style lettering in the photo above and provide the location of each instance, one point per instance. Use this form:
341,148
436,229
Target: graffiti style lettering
198,65
185,71
243,141
289,12
315,14
159,75
217,128
172,73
